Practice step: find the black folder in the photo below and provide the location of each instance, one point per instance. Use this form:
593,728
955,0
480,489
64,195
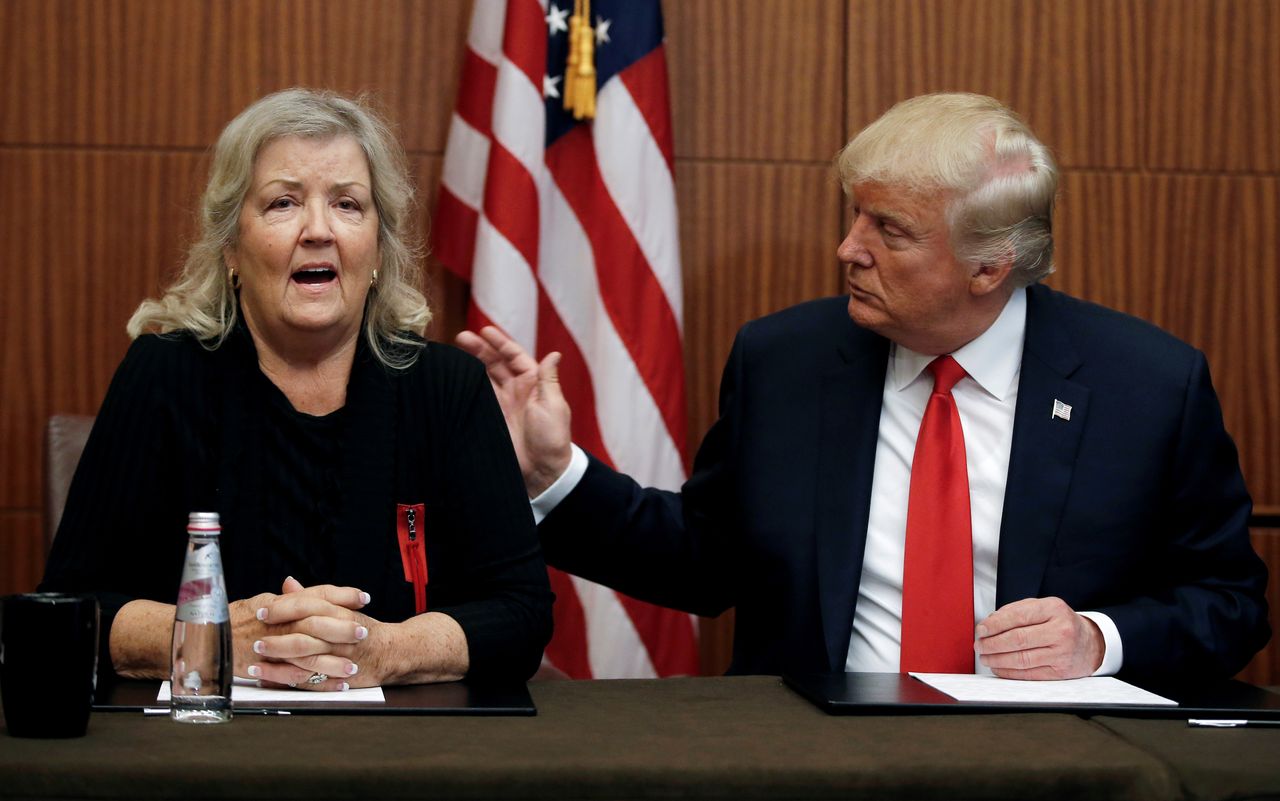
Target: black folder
900,694
450,698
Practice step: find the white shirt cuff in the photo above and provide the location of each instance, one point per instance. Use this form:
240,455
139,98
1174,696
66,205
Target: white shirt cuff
562,486
1113,653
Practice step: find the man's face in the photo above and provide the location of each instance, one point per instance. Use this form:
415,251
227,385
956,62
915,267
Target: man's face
904,281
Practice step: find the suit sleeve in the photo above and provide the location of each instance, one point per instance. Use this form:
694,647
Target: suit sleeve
1203,609
674,549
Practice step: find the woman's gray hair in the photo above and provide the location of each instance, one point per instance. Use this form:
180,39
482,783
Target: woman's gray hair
1000,180
202,299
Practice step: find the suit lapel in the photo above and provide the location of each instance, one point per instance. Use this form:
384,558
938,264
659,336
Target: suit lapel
1043,454
848,431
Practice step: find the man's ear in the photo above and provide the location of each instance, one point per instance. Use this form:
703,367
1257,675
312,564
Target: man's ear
987,277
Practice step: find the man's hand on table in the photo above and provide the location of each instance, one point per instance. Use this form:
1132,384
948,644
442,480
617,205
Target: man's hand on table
1039,638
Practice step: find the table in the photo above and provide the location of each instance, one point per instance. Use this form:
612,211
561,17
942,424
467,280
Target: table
722,738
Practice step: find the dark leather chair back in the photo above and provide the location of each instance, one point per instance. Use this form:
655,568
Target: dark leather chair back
64,442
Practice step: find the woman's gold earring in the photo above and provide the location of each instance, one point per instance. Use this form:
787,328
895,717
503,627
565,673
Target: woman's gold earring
233,278
373,280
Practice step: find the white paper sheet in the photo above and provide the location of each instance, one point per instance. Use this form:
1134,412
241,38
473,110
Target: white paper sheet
1089,690
246,692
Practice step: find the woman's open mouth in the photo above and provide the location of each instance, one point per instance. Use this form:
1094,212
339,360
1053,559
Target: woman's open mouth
314,275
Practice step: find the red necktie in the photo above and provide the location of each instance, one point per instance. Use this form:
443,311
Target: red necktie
937,576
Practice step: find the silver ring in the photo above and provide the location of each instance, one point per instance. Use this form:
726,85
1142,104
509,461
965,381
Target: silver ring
317,678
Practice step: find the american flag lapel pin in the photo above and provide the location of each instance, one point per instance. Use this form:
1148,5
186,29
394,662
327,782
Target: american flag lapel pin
1060,410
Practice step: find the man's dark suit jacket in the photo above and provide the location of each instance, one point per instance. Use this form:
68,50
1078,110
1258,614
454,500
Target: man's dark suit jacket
1135,507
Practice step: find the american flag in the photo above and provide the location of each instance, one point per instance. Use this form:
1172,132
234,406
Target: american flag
567,232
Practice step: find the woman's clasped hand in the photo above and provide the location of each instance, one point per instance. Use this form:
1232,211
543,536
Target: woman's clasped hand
286,639
316,638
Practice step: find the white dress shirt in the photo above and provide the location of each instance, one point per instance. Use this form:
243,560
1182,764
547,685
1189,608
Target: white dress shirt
986,399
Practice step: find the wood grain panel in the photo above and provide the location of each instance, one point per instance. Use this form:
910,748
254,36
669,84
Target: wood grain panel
21,551
1251,402
1098,257
754,239
133,212
24,315
121,72
757,80
1198,256
1216,242
1073,70
405,53
1264,669
144,72
1215,85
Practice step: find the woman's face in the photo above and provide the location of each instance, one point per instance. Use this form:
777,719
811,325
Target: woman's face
308,243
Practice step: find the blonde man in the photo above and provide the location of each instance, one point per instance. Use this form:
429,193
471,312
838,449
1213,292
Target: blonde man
951,468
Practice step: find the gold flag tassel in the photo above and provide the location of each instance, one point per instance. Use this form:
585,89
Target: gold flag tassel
571,71
580,74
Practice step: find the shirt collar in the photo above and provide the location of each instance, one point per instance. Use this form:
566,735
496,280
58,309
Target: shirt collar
992,360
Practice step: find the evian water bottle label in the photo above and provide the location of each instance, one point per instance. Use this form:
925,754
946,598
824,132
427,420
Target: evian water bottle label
202,596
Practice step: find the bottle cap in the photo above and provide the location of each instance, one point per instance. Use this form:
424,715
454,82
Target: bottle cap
204,522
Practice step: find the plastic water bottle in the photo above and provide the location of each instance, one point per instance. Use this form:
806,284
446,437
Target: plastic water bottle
200,685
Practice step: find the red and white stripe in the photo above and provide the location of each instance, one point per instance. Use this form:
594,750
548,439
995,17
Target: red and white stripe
575,248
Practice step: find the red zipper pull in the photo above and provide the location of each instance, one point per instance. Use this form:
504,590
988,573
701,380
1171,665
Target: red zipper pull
413,550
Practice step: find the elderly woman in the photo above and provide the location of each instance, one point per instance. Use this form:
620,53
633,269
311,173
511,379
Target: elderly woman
282,381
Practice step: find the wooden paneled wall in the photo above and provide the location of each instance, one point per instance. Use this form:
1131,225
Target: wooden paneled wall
1164,114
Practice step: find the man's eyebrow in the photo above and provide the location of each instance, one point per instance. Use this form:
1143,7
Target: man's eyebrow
889,216
900,221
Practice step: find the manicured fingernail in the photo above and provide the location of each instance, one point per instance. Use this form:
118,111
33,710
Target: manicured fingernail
365,598
262,613
353,669
361,632
345,686
255,671
258,646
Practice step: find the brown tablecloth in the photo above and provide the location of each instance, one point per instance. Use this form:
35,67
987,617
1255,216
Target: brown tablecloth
1209,763
743,737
